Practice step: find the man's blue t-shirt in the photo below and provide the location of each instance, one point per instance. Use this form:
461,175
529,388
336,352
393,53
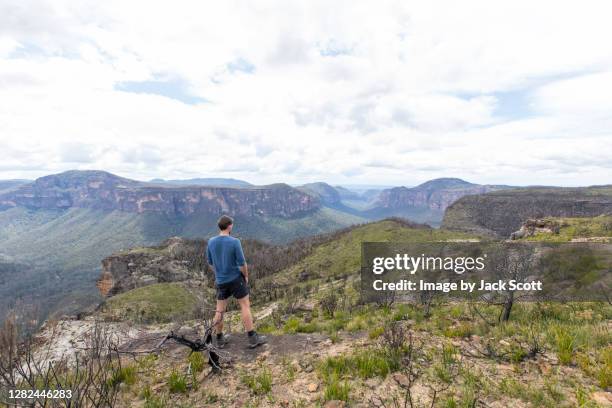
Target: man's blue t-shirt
225,254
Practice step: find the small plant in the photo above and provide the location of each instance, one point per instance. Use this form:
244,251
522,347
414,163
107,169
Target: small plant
210,397
156,402
197,362
582,398
336,390
463,329
289,369
450,403
147,362
445,369
177,383
259,384
329,303
376,332
146,393
125,375
564,343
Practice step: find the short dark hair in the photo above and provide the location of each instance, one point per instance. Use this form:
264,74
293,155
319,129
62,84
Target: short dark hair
224,222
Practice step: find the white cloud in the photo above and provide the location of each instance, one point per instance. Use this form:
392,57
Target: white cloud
393,92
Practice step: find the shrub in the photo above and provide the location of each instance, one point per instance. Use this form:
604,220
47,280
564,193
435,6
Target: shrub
564,343
156,402
260,383
336,390
197,362
376,332
463,329
366,364
177,383
125,375
329,303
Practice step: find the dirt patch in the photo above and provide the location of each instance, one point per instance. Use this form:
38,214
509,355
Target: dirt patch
237,349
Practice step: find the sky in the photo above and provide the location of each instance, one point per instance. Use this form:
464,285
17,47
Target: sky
348,92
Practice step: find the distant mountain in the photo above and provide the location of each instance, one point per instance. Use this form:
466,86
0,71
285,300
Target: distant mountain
338,198
8,185
327,194
219,182
105,191
501,213
425,202
347,194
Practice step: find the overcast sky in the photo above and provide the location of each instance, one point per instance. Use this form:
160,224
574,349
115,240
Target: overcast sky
376,92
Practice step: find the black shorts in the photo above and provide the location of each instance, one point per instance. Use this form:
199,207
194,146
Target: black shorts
237,288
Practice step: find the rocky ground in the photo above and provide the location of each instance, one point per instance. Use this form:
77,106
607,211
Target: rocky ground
287,371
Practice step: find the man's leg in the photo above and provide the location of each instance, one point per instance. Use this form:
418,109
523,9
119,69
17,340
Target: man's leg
247,319
219,311
245,313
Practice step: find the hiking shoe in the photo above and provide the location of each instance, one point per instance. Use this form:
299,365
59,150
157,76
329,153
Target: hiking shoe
221,342
257,340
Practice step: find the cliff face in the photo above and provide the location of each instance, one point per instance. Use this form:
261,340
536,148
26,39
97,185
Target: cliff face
179,260
101,190
175,260
326,193
501,213
434,195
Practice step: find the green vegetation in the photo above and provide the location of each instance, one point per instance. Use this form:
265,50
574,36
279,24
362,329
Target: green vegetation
161,302
573,228
197,361
62,249
335,389
501,213
259,383
156,402
341,256
564,345
177,382
126,375
364,364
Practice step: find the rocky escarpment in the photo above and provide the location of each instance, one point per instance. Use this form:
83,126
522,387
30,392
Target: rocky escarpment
435,194
179,259
532,227
105,191
175,260
326,193
501,213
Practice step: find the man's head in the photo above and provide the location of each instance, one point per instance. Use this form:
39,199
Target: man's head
225,223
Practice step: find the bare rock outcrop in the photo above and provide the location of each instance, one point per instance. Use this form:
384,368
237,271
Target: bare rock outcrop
175,260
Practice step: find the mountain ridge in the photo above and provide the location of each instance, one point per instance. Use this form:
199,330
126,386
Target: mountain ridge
427,201
203,181
103,190
500,213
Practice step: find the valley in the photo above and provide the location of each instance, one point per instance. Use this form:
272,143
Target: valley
60,226
329,349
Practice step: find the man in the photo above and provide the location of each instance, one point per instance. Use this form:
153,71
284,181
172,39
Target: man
225,255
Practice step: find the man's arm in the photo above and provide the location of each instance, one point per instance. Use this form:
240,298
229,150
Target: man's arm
244,269
209,259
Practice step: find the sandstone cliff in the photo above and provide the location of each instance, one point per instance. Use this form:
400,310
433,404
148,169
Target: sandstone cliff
501,213
105,191
175,260
435,194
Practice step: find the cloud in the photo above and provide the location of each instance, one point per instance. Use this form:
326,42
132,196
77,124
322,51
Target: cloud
501,93
173,88
74,152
